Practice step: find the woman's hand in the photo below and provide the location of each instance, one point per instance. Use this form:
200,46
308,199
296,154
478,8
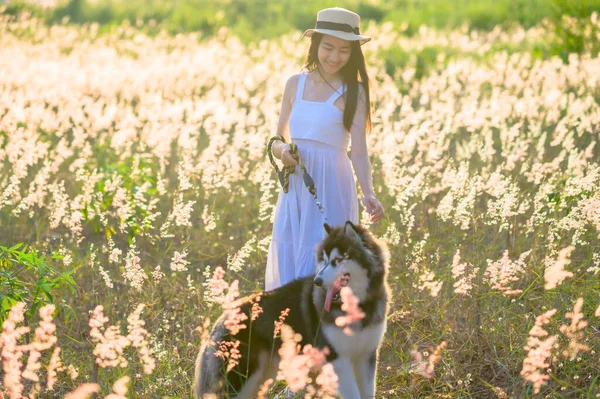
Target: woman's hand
286,156
374,207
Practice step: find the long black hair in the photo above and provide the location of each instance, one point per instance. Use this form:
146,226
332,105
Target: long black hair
351,72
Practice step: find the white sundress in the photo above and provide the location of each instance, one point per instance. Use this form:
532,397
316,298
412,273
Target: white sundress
318,130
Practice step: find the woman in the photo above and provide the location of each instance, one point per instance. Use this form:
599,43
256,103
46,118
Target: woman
324,108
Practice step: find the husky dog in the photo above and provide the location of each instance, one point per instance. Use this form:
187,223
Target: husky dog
348,256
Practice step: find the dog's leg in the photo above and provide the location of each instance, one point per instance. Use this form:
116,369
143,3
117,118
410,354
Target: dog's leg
250,388
346,381
365,369
207,376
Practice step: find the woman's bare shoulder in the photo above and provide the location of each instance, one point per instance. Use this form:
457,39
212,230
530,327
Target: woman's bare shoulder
291,86
292,81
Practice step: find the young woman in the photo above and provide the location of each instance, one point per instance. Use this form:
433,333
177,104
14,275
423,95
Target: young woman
323,109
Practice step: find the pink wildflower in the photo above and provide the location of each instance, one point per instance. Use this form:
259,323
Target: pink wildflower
83,391
110,344
555,272
33,365
179,262
256,308
264,388
574,331
138,337
327,381
538,329
462,280
279,324
11,352
54,366
293,368
229,351
119,388
204,331
44,339
503,272
72,371
234,317
134,274
350,305
114,255
157,275
539,351
216,285
98,319
427,281
45,336
182,211
315,356
425,367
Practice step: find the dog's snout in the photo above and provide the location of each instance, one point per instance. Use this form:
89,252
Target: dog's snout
318,281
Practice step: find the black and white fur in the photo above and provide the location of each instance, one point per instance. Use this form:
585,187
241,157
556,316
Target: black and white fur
348,249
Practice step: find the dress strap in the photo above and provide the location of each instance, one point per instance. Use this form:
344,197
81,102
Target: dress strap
300,89
337,94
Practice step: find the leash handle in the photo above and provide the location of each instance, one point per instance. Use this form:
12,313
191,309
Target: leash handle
270,152
293,151
284,174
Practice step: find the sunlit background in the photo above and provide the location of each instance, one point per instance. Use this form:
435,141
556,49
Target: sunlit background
133,164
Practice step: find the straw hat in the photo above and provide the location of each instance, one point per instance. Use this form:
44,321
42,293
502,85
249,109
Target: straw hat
338,22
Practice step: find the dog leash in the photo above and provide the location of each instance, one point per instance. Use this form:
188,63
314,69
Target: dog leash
284,174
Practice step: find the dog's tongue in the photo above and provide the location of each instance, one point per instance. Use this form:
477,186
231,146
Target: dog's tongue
331,291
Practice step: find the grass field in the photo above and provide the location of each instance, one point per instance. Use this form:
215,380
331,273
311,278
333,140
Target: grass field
132,165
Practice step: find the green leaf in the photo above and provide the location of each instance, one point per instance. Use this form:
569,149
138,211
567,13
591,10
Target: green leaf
68,279
8,302
16,247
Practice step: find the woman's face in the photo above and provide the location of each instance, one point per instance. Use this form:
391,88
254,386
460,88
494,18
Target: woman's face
333,53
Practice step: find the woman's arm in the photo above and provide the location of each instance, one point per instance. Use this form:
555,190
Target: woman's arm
360,158
281,150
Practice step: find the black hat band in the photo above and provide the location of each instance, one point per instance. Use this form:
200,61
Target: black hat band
336,26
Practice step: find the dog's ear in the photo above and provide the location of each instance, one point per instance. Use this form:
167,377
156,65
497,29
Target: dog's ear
351,232
327,228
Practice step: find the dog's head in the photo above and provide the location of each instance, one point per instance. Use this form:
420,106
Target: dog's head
350,256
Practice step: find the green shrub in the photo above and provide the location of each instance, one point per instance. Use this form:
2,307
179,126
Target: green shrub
573,28
26,276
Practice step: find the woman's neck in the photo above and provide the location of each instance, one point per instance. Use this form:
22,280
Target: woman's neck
328,77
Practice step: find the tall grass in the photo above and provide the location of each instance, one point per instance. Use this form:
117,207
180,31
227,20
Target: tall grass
140,158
